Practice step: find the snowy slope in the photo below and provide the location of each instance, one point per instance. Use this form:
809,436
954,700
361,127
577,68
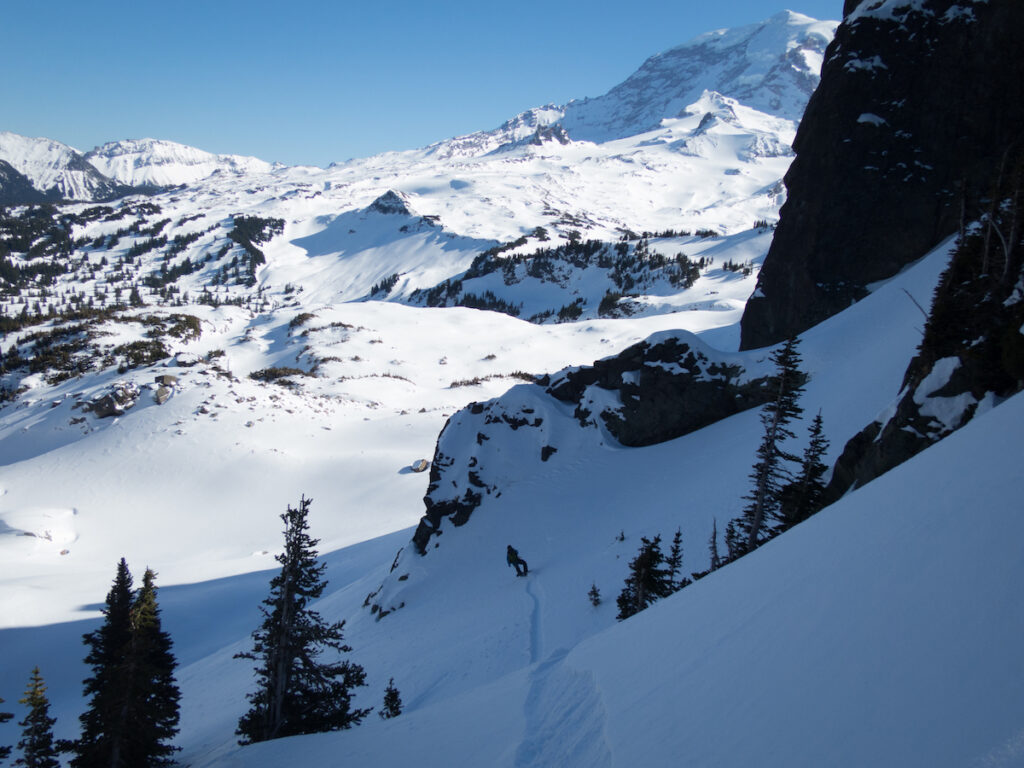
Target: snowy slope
56,169
156,163
207,514
855,648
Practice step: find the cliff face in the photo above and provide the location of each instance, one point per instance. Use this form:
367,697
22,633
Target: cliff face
918,102
972,354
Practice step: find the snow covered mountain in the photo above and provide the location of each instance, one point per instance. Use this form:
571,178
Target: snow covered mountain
772,67
56,170
178,368
155,163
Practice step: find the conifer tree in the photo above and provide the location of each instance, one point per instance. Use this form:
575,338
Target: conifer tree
674,561
595,595
4,717
803,497
153,712
133,709
37,745
297,692
769,472
392,702
716,560
648,579
104,725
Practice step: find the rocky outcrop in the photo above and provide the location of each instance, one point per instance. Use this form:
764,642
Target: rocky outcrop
118,399
972,353
917,103
662,388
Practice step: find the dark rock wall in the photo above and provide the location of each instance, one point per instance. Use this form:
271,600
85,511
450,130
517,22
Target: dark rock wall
972,353
915,107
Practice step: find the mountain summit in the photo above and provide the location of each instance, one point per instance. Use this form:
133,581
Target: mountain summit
55,169
771,66
157,163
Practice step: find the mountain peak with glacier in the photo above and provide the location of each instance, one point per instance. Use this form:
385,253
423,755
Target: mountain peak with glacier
771,66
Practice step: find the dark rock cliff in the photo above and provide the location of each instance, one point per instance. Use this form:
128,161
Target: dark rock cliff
656,390
972,354
917,104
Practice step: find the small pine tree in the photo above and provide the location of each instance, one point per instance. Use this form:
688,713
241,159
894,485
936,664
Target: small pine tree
716,561
4,717
674,561
392,702
769,471
296,692
595,595
803,497
648,579
37,745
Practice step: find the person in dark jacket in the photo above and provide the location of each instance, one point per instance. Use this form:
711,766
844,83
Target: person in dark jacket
516,561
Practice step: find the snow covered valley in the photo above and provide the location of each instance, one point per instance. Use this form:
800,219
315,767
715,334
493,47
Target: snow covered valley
178,368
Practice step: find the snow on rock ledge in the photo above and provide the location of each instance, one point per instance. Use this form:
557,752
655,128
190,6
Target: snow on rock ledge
657,390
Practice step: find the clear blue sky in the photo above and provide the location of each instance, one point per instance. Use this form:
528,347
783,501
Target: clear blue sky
307,81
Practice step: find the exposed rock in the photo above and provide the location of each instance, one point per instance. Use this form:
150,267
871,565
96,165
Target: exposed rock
666,387
972,353
166,380
119,399
917,104
163,394
420,465
391,202
657,390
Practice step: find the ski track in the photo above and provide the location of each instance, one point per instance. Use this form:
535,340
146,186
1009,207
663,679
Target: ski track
535,633
565,718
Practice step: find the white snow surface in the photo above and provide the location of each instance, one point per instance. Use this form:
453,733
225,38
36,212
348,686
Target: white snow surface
884,631
863,649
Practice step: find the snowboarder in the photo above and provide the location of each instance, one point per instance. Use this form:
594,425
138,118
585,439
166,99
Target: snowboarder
515,560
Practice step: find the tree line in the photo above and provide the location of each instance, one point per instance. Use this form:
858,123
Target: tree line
785,489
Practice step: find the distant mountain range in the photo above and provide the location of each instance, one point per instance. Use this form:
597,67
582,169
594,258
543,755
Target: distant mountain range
771,67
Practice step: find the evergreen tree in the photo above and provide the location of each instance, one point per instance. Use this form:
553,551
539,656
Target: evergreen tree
595,595
4,717
716,561
769,472
392,702
36,745
297,693
674,561
104,724
153,710
133,710
803,497
648,579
